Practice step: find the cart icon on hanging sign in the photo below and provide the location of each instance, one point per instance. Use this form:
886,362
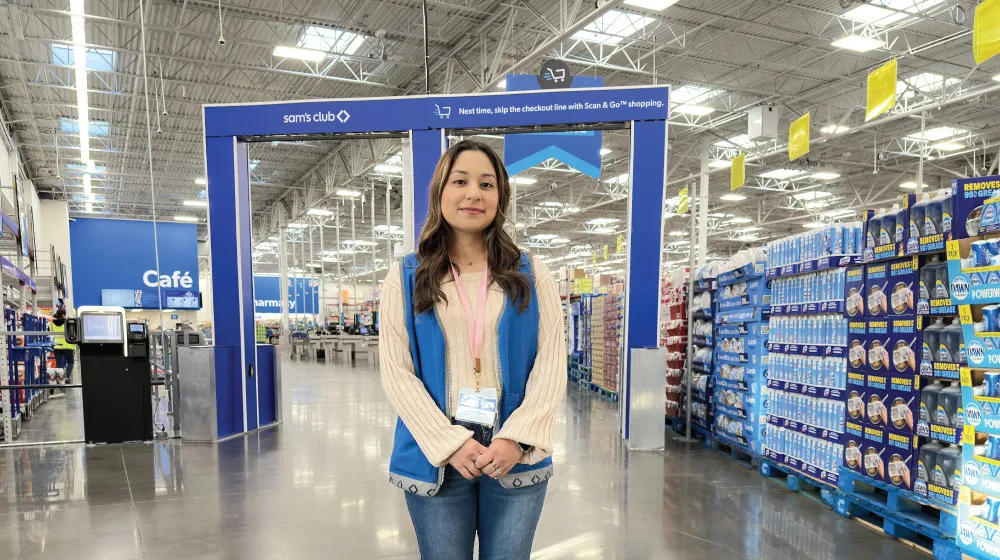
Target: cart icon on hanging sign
442,112
554,74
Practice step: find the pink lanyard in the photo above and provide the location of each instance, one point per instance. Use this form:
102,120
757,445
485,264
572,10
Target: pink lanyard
475,324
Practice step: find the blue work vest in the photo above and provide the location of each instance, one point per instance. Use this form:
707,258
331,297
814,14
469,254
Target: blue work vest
517,345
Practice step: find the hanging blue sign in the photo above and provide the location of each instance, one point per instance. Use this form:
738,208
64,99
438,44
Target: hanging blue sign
580,150
524,108
303,295
117,257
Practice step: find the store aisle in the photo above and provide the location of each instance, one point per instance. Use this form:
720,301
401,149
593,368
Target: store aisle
316,488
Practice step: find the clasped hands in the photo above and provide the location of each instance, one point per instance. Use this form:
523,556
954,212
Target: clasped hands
474,459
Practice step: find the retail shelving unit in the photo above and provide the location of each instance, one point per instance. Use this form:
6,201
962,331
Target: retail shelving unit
673,336
606,340
743,305
808,351
50,278
702,359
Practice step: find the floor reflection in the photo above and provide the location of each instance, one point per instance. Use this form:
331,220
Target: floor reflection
316,488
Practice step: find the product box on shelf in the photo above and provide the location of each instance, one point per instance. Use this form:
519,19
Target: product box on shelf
864,447
878,342
903,287
752,292
881,244
969,203
972,277
854,292
900,458
877,287
855,396
980,335
932,291
875,407
857,344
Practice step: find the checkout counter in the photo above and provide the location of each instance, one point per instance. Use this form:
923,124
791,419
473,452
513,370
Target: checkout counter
115,374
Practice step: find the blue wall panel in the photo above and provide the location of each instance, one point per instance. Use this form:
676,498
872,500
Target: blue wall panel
118,254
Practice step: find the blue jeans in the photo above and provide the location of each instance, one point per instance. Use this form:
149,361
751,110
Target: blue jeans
447,523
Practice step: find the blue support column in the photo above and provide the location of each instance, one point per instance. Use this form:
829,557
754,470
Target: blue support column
427,147
646,197
232,284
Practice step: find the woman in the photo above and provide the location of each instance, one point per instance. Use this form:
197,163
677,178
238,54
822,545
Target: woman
473,359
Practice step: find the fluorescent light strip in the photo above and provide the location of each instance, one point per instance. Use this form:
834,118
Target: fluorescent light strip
79,29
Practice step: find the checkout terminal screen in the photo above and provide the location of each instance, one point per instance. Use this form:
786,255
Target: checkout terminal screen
101,328
136,328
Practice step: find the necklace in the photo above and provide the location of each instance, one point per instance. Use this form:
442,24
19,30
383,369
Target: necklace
470,263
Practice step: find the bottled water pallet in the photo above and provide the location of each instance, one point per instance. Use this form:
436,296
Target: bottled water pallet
801,483
739,454
899,513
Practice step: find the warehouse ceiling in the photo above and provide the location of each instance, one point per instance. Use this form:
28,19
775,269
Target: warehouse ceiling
723,58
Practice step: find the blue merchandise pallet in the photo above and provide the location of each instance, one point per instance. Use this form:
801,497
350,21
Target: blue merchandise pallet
735,452
801,483
899,513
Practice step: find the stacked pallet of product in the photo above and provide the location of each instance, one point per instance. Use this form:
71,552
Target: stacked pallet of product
702,351
673,335
808,349
743,305
607,326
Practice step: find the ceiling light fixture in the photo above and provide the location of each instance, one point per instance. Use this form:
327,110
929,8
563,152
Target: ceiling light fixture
605,151
297,225
696,110
603,221
502,84
834,129
948,146
911,185
319,212
811,195
348,192
838,213
732,197
200,181
388,168
544,236
185,219
677,233
782,174
525,180
308,55
603,230
825,175
720,163
814,225
740,221
198,203
857,43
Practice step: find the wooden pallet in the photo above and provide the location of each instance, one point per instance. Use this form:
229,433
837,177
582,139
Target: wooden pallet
900,514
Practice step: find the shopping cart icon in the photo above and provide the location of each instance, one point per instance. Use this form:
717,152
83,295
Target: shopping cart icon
442,112
555,75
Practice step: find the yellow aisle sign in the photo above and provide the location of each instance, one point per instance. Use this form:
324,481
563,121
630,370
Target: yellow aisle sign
881,90
738,172
682,201
618,246
605,252
798,138
986,31
594,260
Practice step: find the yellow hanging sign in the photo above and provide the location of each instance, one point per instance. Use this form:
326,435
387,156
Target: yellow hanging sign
738,172
594,260
798,138
986,31
605,252
682,201
881,90
618,246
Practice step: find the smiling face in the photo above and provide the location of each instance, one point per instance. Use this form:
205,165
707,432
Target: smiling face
470,195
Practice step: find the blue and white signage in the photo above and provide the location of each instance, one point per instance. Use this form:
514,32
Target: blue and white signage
574,105
580,150
303,295
117,257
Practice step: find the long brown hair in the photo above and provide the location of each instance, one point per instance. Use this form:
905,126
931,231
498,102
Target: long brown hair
503,254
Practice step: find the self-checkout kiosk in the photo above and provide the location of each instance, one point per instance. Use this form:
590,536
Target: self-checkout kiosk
114,368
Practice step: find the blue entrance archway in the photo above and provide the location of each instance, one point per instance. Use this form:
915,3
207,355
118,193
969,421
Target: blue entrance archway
425,119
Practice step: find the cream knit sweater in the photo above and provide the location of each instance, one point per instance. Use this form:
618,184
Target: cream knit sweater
531,423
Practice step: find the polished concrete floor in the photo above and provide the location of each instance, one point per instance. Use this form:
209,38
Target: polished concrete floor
316,488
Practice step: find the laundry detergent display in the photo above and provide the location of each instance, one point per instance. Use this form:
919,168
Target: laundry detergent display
742,331
811,347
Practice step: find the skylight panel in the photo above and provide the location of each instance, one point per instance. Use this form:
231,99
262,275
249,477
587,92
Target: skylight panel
888,12
613,27
328,39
